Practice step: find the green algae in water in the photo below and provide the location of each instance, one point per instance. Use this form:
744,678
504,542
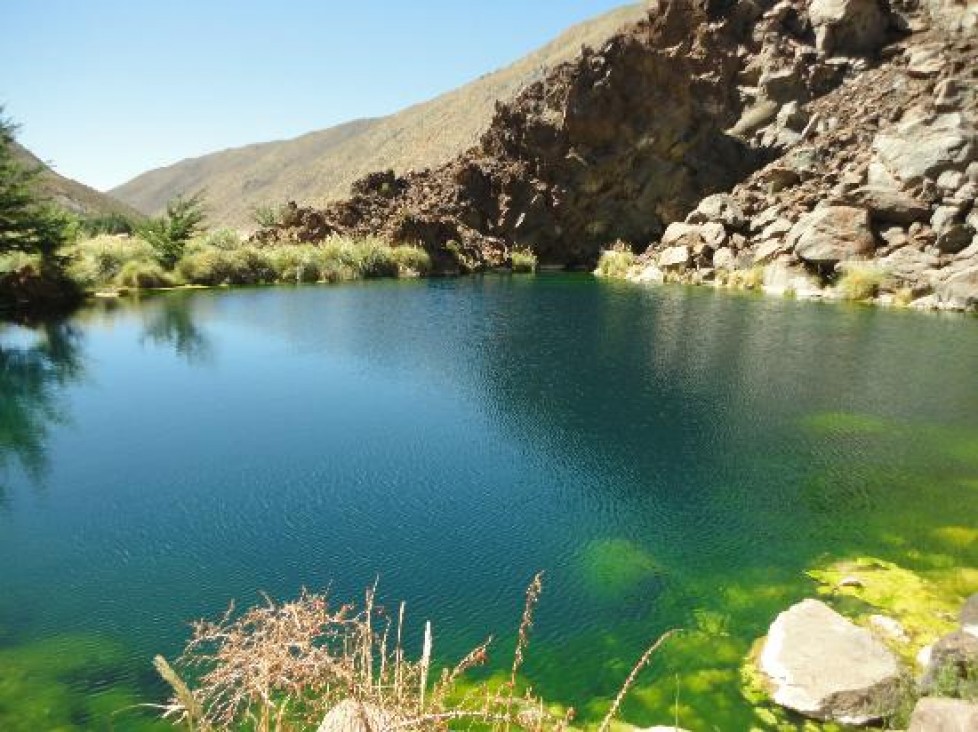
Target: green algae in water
926,609
614,568
70,682
679,420
846,423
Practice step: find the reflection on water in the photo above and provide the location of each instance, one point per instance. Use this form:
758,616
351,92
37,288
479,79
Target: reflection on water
670,457
36,364
171,321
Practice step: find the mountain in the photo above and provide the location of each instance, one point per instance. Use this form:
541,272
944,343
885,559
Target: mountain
321,166
70,194
823,148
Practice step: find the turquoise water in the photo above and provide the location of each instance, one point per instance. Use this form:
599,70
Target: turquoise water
669,457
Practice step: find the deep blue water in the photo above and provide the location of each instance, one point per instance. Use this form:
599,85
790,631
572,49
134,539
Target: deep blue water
660,453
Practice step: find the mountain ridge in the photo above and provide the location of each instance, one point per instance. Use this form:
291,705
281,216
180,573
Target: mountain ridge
320,166
69,194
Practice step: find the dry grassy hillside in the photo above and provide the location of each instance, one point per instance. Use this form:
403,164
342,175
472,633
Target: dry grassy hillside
320,166
70,194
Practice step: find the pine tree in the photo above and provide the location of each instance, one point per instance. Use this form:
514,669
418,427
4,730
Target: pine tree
28,222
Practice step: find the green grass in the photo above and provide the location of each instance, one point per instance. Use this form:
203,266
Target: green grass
860,282
412,261
97,262
615,263
18,261
222,258
523,260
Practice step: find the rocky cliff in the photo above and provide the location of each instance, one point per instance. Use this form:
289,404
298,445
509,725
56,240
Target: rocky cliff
790,140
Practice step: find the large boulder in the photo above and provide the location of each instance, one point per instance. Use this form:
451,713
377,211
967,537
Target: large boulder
960,291
848,27
889,206
920,147
832,234
720,207
677,257
951,661
944,715
823,666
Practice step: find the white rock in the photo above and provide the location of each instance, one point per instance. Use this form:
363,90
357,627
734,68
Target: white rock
825,667
674,258
944,715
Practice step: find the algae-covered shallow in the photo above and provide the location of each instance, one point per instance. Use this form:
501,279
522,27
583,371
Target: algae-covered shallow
670,457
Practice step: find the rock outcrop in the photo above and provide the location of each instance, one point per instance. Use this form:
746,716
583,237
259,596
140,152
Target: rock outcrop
879,171
614,145
718,137
823,666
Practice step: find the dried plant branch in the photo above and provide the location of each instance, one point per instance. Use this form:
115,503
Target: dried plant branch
293,665
632,677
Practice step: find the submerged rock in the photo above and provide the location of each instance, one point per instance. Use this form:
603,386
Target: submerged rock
824,666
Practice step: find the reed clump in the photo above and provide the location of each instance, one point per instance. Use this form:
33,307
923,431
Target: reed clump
615,261
308,664
523,261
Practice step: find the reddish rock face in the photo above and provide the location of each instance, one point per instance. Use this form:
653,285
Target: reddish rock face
614,145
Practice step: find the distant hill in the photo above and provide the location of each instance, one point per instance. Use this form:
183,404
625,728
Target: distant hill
320,166
70,194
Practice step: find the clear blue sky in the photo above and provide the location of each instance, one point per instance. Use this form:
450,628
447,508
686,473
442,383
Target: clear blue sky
107,89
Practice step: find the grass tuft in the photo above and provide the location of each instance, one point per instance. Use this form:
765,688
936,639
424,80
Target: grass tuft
140,275
860,282
615,262
523,261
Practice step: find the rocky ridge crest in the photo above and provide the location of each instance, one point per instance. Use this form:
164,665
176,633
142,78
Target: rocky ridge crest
794,141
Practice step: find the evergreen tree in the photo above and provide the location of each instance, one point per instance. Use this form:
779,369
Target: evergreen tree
169,234
28,222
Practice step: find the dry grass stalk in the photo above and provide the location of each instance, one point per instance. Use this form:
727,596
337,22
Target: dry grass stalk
523,635
632,678
284,667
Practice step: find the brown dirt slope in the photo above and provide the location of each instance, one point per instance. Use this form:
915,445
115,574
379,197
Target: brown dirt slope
70,194
321,166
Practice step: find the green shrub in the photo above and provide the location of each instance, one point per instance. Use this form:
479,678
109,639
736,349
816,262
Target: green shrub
523,260
106,224
298,263
170,233
370,257
212,266
411,260
19,261
139,275
223,239
860,282
747,279
615,262
94,263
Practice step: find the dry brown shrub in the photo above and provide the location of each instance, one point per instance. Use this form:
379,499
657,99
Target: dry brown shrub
283,667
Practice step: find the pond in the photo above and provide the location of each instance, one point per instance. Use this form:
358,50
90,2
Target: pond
670,457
